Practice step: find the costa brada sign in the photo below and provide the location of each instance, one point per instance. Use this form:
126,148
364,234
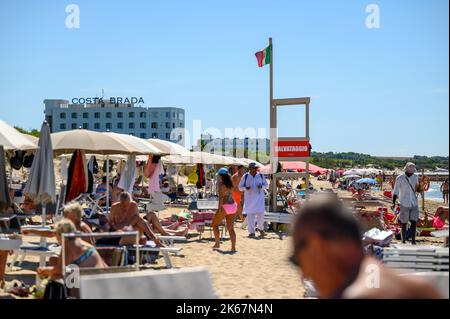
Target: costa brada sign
112,100
292,148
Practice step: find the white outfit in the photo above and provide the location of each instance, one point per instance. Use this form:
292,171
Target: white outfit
404,191
254,200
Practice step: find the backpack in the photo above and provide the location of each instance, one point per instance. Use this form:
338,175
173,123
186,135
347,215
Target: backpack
55,291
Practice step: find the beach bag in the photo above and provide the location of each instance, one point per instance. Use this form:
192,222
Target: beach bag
16,161
28,160
55,291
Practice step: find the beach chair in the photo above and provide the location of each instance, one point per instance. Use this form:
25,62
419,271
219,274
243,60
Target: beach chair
165,252
5,219
416,259
194,283
34,249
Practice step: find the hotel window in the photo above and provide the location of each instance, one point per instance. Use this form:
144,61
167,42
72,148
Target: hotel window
154,124
97,126
181,124
85,126
120,126
97,115
108,126
74,126
173,114
154,135
131,115
143,135
62,115
168,115
167,124
85,115
143,125
120,115
143,115
74,115
173,125
180,116
131,125
62,126
167,136
108,115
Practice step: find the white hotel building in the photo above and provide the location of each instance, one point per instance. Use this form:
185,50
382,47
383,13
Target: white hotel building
165,123
239,147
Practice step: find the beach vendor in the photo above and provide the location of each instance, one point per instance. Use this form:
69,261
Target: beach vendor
253,184
227,208
326,236
405,189
237,194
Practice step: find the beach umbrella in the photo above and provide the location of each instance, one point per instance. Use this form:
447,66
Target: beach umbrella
76,179
247,162
298,166
12,139
5,201
100,143
366,181
169,147
198,158
41,181
352,177
135,144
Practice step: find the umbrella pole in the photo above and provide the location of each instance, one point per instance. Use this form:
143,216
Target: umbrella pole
107,183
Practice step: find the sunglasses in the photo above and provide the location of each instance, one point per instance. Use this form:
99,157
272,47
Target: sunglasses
301,244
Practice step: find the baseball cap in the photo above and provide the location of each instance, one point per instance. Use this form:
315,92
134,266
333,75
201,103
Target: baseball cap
222,171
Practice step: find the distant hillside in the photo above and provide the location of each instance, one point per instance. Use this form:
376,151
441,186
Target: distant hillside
351,159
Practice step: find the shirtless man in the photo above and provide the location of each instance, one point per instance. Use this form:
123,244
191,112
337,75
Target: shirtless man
445,190
326,236
237,194
125,213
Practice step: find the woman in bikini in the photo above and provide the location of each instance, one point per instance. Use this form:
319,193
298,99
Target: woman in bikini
227,208
77,252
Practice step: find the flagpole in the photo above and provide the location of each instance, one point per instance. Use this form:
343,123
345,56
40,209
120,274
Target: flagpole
273,127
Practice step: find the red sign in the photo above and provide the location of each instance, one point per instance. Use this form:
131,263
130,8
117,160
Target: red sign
292,148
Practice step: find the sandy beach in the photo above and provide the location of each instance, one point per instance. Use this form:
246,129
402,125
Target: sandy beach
260,268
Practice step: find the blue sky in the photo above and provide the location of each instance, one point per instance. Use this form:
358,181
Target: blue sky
379,91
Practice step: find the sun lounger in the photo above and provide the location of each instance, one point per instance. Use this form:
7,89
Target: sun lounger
424,258
165,284
34,249
6,220
165,252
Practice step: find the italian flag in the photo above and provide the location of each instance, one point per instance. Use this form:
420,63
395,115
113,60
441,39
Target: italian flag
263,56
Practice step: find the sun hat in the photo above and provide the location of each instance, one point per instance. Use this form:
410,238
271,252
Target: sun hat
410,168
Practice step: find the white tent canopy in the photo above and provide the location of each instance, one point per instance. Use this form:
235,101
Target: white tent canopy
12,139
